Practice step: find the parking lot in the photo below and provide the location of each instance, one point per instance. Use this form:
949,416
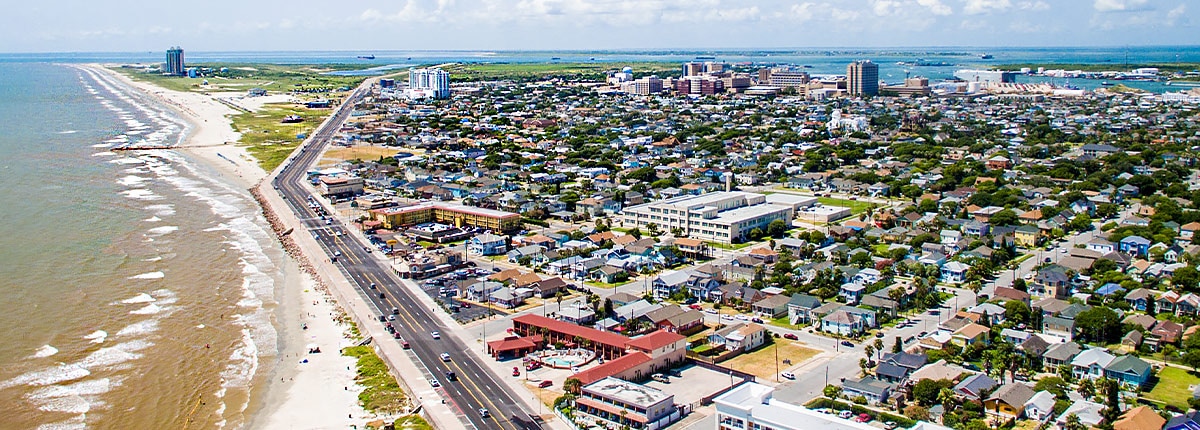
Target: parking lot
461,311
692,384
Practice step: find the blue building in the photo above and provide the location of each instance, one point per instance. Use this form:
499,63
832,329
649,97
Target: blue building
174,65
1134,245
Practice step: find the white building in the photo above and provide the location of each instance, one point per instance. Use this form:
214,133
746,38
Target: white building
726,217
428,83
750,406
850,123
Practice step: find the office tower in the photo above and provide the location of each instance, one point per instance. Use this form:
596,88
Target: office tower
174,64
863,77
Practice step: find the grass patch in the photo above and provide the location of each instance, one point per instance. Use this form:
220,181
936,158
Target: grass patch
599,284
856,207
733,246
414,422
269,140
537,71
1172,387
223,77
1022,258
783,322
382,394
761,362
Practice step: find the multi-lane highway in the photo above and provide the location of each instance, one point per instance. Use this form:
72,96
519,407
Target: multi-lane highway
476,389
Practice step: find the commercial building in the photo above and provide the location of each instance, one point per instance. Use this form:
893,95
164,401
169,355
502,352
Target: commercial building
823,214
783,77
174,65
428,83
625,403
725,217
705,85
643,86
693,69
751,406
863,78
912,87
341,186
986,76
446,213
626,358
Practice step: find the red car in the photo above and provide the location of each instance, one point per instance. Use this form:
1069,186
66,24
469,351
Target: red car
696,307
790,336
545,384
516,371
862,418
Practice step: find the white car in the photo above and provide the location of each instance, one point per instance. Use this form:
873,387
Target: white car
741,317
710,311
445,357
436,335
788,375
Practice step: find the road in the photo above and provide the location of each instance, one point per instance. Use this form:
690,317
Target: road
476,387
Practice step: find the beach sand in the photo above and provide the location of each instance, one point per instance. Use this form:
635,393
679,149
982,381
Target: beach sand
294,395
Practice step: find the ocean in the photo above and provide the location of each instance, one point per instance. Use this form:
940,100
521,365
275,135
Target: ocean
139,290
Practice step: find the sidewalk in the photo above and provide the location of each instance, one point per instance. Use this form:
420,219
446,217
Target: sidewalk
408,373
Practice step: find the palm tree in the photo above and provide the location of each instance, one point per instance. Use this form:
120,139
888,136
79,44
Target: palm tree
879,345
572,385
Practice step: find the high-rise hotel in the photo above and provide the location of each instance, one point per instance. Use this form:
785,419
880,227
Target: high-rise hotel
428,83
174,64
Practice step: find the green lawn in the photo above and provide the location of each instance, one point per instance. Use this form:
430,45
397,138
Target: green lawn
856,207
381,394
243,77
414,422
782,322
1172,387
267,138
732,247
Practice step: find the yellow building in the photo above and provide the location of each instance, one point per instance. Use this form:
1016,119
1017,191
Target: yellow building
1026,236
446,213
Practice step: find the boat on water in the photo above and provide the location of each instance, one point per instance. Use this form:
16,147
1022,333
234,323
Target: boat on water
555,58
705,57
986,57
366,57
1106,83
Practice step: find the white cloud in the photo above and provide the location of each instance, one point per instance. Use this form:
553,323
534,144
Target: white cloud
885,7
1033,5
976,7
1177,15
802,12
936,7
1120,5
843,14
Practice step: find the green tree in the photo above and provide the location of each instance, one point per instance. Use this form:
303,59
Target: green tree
1004,217
572,385
1099,324
777,228
1186,278
1017,312
1054,385
916,413
926,391
832,391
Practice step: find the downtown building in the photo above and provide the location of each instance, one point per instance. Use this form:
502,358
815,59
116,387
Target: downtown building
703,85
724,217
430,83
643,86
862,78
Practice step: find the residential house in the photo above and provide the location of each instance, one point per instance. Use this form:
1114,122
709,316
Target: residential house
973,387
843,323
771,307
895,367
739,337
1027,236
972,334
1008,402
1060,354
487,244
1139,299
1091,363
1100,245
874,390
1087,412
1131,371
1040,407
800,307
1140,418
954,272
1059,327
852,292
1134,245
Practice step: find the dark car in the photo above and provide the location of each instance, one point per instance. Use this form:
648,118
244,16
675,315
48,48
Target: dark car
451,376
847,343
790,336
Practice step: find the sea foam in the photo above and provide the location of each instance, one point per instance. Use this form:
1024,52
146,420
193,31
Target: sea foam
140,298
149,275
97,336
45,351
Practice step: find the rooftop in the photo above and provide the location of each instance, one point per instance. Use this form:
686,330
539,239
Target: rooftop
627,392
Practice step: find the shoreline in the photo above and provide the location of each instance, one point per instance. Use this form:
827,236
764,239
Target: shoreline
291,394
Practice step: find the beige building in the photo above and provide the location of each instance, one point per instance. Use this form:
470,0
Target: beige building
863,78
725,217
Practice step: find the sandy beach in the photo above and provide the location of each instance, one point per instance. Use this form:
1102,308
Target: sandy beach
300,391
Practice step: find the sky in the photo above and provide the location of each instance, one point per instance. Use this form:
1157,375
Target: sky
255,25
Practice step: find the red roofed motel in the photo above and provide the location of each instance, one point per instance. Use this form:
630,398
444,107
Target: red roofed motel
446,213
626,358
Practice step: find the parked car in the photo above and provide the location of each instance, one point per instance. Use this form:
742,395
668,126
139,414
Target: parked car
862,418
790,336
788,375
545,383
845,414
516,371
756,320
